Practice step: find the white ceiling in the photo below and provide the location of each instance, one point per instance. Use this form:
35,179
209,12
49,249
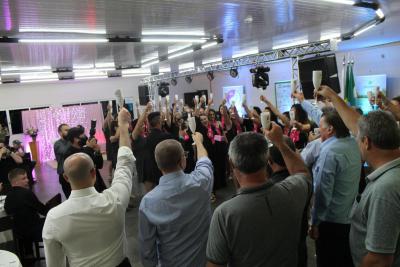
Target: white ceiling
245,25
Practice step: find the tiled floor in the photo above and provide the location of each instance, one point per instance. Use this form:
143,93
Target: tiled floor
47,186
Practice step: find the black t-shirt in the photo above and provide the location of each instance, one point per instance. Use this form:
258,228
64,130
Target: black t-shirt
25,207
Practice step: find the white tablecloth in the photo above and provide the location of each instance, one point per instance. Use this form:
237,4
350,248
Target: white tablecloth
8,259
6,235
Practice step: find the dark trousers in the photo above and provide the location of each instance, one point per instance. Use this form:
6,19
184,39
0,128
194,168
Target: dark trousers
125,263
66,187
332,246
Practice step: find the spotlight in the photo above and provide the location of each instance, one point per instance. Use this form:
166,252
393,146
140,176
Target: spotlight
260,77
163,89
188,79
210,75
174,81
234,73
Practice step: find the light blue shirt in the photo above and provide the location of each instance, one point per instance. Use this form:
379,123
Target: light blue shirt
336,179
310,153
174,218
314,112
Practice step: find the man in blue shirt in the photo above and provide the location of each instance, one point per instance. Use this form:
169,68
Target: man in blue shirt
336,177
174,217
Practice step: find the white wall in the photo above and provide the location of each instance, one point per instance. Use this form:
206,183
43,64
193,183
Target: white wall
384,59
22,95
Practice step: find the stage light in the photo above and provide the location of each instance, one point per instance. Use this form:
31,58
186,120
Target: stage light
210,76
174,81
163,89
260,77
234,73
188,79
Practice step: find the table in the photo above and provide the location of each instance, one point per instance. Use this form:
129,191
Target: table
8,259
5,236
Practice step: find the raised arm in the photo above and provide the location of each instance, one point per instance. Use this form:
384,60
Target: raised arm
293,161
138,128
282,117
167,113
349,115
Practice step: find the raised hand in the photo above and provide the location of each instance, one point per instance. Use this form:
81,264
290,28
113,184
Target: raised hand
325,91
298,95
275,135
124,117
197,138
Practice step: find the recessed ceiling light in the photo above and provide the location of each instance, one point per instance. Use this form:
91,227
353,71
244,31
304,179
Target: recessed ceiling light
205,46
211,60
94,40
62,30
246,52
290,44
180,54
248,19
357,33
345,2
172,40
380,13
176,33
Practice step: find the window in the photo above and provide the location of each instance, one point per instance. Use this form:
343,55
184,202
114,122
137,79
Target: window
16,121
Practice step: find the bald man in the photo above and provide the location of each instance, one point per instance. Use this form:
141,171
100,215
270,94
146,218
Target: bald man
89,227
174,217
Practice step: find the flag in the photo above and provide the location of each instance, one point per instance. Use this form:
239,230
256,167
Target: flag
350,85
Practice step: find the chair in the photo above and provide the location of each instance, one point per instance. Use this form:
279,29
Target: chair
6,224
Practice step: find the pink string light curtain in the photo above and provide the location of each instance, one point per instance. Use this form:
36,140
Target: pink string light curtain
47,121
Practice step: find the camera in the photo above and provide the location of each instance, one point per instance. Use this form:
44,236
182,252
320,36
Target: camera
260,77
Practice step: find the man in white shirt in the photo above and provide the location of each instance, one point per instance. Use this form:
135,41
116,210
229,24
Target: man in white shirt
89,228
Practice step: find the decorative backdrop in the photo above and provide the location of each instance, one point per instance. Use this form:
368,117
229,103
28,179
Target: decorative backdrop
47,120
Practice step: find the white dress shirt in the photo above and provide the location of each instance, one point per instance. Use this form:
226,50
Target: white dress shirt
89,227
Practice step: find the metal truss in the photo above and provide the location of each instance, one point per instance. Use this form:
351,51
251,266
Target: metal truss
256,59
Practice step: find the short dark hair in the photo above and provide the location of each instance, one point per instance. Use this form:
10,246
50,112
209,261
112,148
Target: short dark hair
14,173
397,98
60,126
333,119
74,132
168,154
248,152
154,118
275,154
381,128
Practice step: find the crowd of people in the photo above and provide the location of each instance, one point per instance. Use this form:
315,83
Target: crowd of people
324,171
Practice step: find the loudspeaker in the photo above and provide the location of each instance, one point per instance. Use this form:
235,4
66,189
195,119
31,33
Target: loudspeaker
143,95
327,64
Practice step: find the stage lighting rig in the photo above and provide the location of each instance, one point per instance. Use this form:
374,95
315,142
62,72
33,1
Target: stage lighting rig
163,89
188,79
260,77
234,73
